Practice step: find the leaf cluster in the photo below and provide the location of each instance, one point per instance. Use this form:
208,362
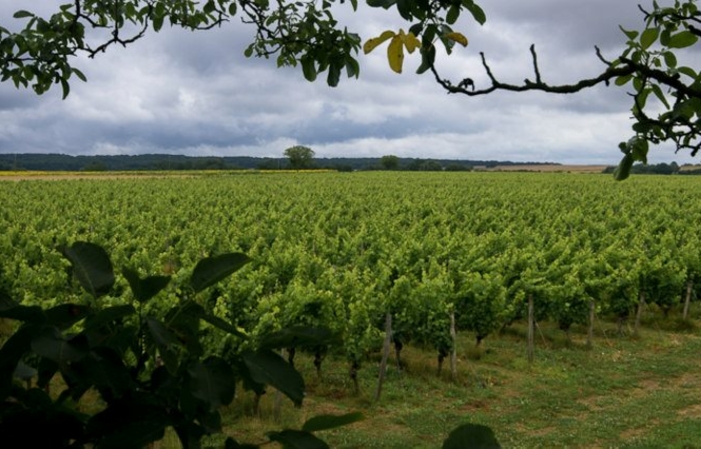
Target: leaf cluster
151,372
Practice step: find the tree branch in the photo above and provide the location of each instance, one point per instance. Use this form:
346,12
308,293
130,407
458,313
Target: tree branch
538,84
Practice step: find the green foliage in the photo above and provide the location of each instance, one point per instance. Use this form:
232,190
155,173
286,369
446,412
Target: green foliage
151,372
666,94
389,162
303,33
300,157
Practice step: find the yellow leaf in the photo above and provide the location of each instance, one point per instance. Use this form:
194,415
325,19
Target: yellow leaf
371,44
411,42
457,37
395,54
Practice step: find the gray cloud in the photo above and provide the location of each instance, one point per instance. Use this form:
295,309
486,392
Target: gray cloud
195,93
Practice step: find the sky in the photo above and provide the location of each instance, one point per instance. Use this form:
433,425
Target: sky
196,94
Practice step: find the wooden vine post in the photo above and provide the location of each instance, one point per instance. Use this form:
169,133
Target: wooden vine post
687,299
454,351
531,329
385,355
590,332
639,313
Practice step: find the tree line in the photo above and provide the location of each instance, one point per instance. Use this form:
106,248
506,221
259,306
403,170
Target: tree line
64,162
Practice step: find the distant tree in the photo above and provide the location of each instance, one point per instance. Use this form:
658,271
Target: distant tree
389,162
300,156
95,166
343,167
458,167
424,165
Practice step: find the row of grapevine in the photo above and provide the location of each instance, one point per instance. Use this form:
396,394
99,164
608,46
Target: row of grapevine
342,250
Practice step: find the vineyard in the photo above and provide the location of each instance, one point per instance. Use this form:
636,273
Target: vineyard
345,250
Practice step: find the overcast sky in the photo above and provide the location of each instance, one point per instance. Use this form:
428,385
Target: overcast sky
196,94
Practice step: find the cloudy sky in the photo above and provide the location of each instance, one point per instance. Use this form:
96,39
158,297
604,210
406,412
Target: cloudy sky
195,93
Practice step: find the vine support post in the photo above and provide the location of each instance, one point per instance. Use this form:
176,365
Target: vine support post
385,355
590,332
277,400
639,313
531,330
454,351
687,299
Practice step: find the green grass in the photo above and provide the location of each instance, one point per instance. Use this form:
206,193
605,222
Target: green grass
624,392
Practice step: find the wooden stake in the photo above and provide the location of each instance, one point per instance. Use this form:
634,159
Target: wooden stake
639,313
454,352
531,330
385,355
687,300
590,333
277,399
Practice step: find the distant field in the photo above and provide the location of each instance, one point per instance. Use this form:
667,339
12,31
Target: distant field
550,168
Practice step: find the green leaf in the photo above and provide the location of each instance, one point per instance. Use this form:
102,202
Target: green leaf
473,436
297,439
309,68
220,324
11,352
14,311
325,422
211,270
428,56
660,95
109,316
334,75
639,147
129,423
213,382
352,67
688,71
91,266
630,34
64,316
670,59
66,88
648,37
166,342
453,14
623,170
22,14
269,368
145,289
79,74
51,344
157,23
682,39
386,4
476,11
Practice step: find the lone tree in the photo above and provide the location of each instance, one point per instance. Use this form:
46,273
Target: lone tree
665,89
300,157
389,162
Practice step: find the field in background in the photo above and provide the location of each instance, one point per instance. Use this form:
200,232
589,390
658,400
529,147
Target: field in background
548,168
